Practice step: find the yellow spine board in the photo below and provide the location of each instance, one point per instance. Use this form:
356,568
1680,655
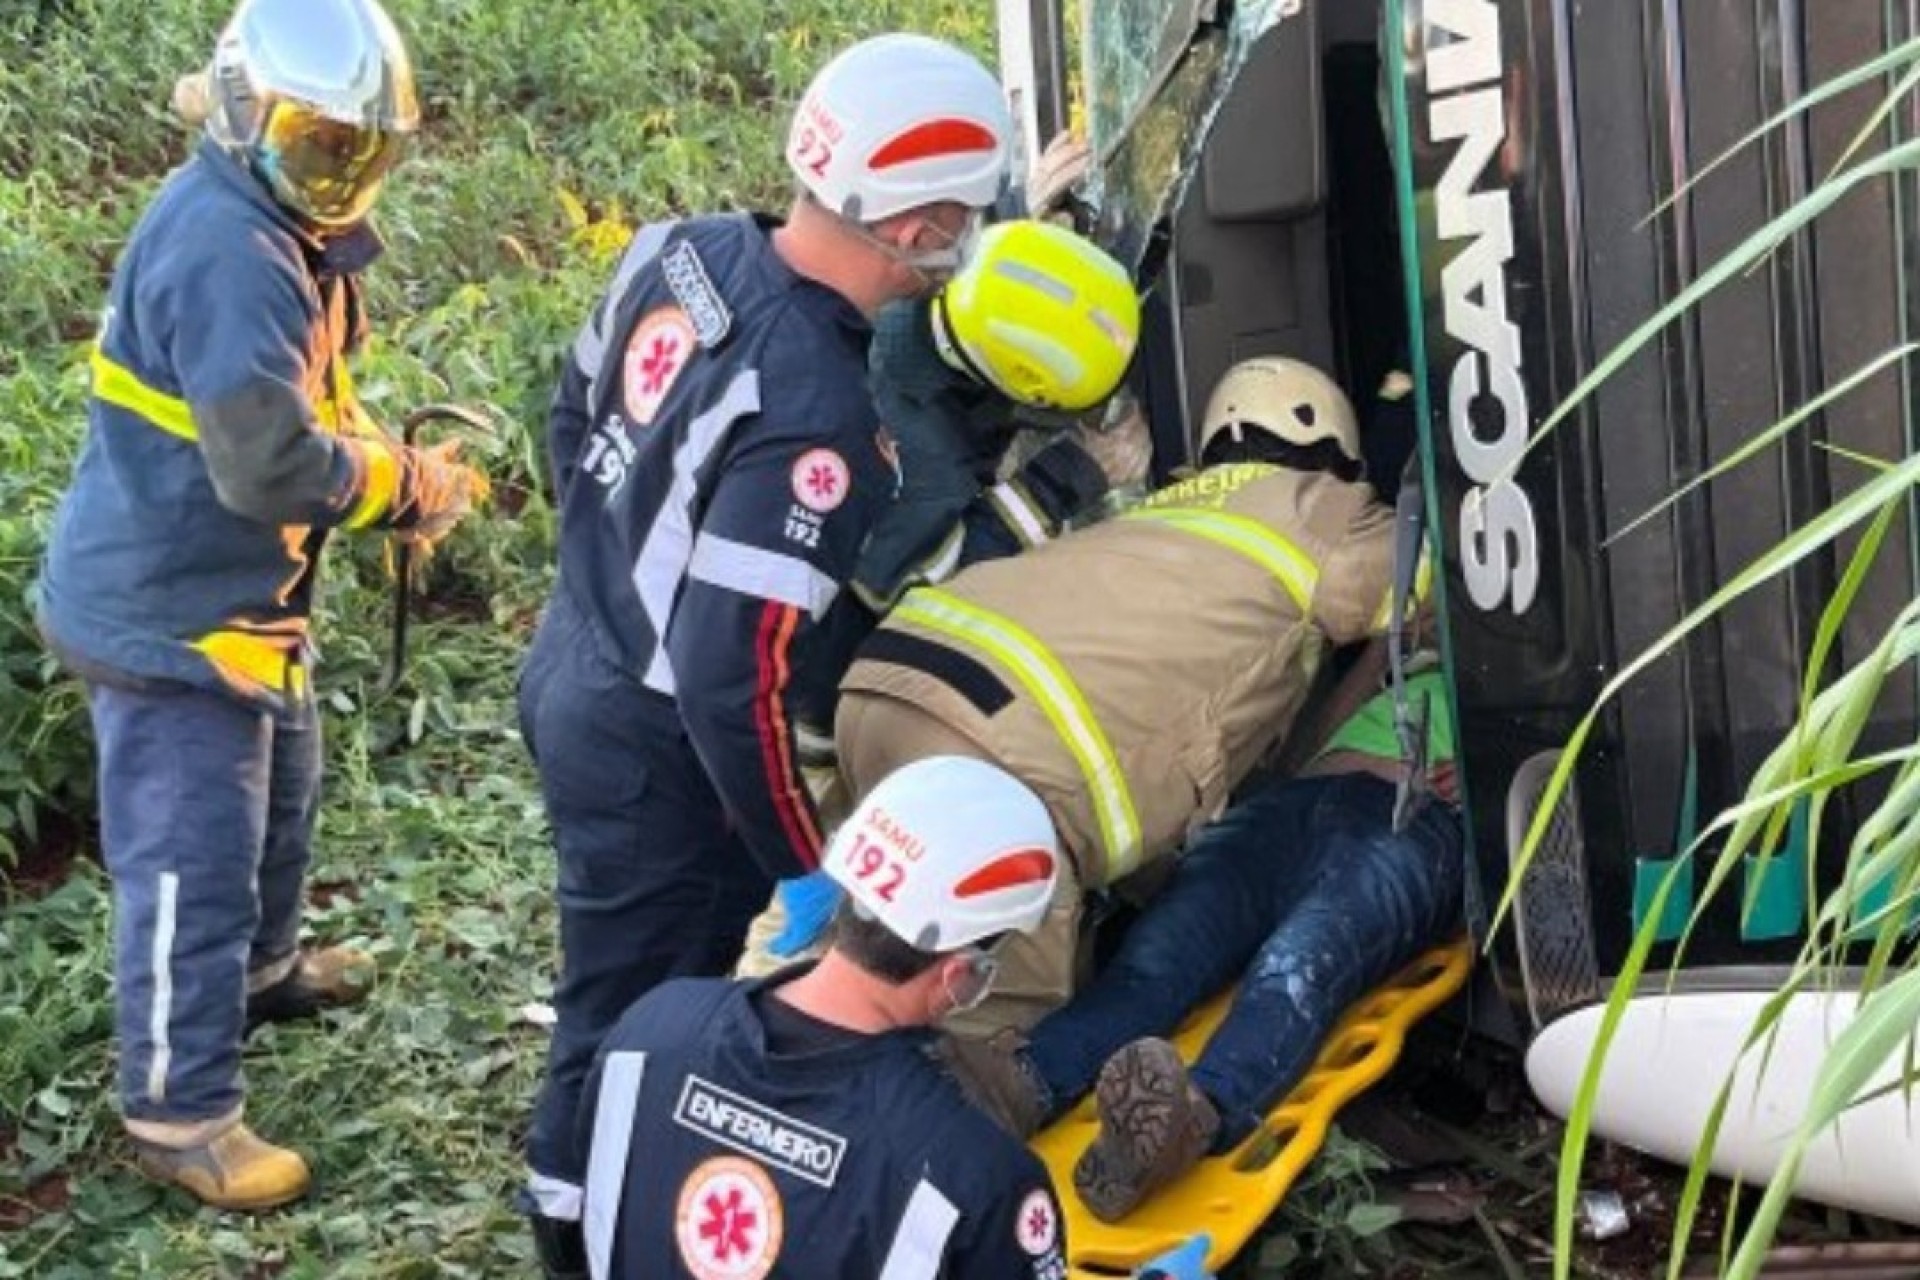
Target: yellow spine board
1228,1202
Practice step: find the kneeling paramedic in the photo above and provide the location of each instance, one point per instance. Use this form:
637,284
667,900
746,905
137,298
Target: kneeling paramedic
718,465
800,1126
224,443
1033,334
1134,672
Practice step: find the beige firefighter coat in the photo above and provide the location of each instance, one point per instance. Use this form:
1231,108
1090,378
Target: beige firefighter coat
1133,672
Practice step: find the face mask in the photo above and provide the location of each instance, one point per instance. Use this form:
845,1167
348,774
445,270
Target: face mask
936,266
973,987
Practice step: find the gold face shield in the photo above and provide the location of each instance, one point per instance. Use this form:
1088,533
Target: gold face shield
326,170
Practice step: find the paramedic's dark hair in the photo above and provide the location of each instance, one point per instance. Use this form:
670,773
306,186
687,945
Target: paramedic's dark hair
1262,446
874,949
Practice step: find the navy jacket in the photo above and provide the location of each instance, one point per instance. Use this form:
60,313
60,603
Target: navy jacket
223,442
718,466
710,1156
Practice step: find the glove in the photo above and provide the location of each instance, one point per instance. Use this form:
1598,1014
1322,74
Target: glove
440,490
1055,174
1122,445
809,902
1187,1262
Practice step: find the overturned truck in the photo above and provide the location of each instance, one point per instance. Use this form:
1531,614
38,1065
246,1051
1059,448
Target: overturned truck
1472,193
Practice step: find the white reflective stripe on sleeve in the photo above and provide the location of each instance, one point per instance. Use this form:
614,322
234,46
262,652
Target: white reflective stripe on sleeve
1017,509
590,348
920,1242
555,1199
946,561
669,545
620,1077
767,575
161,1014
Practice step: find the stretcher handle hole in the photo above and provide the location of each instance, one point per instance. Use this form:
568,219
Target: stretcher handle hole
1265,1146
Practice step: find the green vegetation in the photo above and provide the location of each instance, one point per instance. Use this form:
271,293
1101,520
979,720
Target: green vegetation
550,130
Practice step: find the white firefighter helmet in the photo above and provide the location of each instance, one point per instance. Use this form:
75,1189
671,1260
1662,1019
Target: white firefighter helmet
1285,398
316,98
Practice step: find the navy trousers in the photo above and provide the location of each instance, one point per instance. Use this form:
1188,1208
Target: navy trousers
207,809
652,881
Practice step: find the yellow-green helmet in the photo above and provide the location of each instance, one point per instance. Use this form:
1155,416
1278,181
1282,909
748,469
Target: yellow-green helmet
1040,314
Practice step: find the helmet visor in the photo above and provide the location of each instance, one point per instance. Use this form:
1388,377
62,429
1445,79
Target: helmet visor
327,170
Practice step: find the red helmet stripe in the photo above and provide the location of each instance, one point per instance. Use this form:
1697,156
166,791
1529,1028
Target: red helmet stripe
1022,866
933,139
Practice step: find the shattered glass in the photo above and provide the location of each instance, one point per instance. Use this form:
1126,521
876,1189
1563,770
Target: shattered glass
1157,74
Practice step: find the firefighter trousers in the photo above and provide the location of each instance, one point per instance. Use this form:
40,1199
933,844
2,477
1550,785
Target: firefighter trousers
207,808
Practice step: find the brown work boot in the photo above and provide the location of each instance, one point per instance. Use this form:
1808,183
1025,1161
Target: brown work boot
996,1077
306,983
221,1162
1154,1126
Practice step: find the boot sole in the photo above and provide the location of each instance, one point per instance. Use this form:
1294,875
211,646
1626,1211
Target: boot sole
1142,1099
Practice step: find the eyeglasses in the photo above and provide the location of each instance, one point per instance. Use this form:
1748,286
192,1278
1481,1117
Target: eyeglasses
938,263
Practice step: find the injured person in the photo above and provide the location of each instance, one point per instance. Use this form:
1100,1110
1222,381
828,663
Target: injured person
1307,895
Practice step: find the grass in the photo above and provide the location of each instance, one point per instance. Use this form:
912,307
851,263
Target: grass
550,131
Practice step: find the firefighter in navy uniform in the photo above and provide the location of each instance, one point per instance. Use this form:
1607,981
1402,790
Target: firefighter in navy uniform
799,1126
718,465
224,442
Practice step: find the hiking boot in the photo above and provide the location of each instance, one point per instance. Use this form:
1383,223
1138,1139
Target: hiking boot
1154,1126
997,1078
327,978
222,1163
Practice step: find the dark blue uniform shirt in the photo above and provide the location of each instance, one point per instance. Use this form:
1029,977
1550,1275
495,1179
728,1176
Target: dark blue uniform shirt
715,1153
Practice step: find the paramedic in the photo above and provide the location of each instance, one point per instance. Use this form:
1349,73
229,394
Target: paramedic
717,467
800,1126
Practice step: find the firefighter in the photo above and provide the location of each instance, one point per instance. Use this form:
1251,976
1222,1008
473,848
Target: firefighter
224,443
718,464
801,1126
1034,332
1074,666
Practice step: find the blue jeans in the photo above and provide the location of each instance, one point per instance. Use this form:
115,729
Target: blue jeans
206,821
1304,893
653,883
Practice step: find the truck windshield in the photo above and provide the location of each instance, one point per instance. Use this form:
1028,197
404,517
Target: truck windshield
1156,76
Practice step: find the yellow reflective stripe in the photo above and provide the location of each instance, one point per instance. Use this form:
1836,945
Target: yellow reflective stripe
1058,698
116,384
379,482
252,662
1289,565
